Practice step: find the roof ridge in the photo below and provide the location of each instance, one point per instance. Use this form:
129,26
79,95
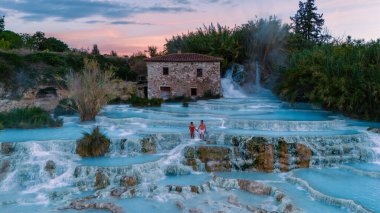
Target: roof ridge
184,57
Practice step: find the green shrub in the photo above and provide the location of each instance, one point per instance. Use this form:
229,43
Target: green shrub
93,145
65,106
11,58
118,100
28,118
1,126
4,44
145,102
209,95
338,76
52,59
179,99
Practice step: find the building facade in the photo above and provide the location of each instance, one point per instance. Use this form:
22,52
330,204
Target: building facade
183,74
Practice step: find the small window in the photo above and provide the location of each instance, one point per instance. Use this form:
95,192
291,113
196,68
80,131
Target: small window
165,71
199,72
193,91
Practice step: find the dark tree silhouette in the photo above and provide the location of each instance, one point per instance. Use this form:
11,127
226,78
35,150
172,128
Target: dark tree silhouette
307,23
95,50
2,23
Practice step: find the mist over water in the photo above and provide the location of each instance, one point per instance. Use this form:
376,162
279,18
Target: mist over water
230,88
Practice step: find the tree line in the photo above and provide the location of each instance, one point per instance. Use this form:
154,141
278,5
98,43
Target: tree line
301,61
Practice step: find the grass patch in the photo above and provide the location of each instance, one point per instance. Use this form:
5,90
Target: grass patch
28,118
95,144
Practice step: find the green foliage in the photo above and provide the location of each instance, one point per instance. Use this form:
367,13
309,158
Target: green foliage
95,50
6,74
2,23
52,67
95,144
210,95
262,40
28,118
14,39
153,51
90,89
53,44
52,59
179,99
5,44
12,59
212,40
339,76
137,64
38,41
307,23
1,126
145,102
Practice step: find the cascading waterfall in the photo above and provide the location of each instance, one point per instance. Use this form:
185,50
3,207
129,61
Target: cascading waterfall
26,184
258,87
230,88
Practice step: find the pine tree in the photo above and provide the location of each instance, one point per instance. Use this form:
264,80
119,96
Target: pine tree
307,23
2,23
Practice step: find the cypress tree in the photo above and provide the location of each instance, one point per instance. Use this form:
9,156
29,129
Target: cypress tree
307,23
2,23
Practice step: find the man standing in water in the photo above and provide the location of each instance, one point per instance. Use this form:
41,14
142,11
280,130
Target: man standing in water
202,130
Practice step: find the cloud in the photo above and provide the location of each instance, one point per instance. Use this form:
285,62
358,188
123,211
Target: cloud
94,22
65,10
220,1
128,23
181,1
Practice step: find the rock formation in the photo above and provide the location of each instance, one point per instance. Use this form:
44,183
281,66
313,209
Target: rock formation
148,145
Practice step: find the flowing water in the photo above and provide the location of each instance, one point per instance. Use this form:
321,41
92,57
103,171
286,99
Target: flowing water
347,184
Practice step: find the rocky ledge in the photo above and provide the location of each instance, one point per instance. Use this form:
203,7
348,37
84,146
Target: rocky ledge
82,204
254,154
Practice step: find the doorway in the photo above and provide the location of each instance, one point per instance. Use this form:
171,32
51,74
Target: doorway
194,92
165,92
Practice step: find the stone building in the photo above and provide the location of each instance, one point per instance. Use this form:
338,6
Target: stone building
183,74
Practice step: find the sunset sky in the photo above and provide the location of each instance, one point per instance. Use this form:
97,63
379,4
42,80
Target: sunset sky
128,26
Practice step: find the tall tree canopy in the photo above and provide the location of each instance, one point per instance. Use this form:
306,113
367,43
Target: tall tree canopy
307,23
2,24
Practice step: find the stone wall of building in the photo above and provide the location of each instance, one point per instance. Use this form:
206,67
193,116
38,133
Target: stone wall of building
182,77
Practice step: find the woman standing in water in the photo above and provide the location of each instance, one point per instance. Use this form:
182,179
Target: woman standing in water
192,130
202,130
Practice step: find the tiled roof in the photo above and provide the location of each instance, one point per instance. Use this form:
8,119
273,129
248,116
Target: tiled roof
184,57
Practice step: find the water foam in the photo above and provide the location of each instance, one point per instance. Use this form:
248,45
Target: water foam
230,88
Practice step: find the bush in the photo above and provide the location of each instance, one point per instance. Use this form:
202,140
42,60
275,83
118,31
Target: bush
93,145
209,95
1,126
28,118
179,99
91,89
65,106
145,102
338,76
52,59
